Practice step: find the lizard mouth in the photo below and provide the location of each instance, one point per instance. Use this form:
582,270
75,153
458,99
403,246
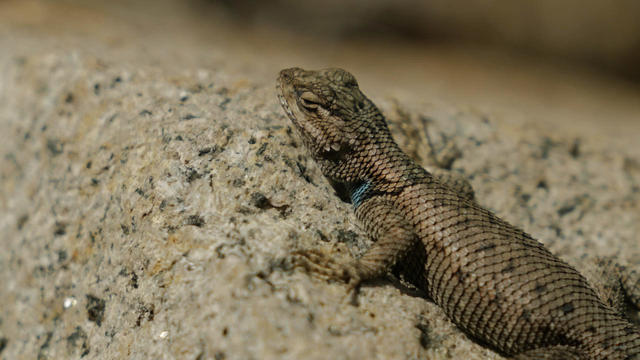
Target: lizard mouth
309,124
286,93
283,101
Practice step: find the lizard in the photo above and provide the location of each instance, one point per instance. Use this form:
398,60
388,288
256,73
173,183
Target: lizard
498,284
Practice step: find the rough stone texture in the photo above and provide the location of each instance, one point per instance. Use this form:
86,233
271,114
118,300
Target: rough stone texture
147,210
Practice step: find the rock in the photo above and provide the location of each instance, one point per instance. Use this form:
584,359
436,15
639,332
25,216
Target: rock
148,211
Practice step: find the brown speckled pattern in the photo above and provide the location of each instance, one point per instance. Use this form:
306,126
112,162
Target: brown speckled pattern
496,282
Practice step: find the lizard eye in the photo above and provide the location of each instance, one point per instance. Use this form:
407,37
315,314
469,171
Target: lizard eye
310,101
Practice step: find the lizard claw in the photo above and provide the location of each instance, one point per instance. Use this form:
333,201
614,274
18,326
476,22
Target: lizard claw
323,264
327,266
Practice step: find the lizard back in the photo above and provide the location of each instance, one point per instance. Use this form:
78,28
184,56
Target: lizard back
502,286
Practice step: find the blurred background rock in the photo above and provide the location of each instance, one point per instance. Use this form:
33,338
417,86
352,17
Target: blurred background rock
566,63
603,34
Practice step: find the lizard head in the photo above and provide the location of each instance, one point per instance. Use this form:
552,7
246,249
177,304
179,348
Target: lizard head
330,112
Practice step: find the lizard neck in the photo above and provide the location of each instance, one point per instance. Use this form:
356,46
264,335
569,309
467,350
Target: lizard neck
377,168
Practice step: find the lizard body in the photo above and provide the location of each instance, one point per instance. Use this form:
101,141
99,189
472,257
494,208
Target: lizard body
497,283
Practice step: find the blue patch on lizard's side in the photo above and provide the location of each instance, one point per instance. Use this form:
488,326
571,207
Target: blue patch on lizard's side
359,193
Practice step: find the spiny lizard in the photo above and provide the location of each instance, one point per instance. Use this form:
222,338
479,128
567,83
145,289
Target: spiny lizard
497,283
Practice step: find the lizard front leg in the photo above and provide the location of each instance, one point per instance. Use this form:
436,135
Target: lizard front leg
393,236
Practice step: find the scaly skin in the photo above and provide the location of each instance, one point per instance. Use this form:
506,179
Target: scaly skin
494,281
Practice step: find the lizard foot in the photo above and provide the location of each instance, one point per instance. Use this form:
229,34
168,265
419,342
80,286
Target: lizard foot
326,265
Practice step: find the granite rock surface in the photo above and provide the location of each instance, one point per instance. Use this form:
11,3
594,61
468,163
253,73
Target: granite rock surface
148,211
